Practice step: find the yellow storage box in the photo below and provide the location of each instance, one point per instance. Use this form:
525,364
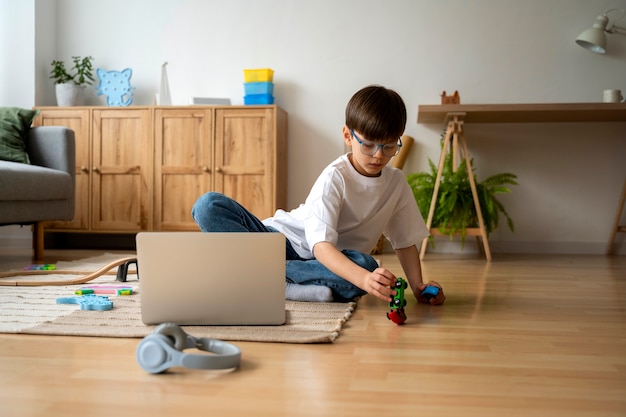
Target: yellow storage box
258,75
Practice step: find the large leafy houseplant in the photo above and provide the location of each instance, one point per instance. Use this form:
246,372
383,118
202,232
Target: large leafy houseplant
454,207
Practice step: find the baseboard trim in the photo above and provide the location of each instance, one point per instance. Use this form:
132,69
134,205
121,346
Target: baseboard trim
21,236
445,246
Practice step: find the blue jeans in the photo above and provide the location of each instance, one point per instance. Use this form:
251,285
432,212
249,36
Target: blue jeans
214,212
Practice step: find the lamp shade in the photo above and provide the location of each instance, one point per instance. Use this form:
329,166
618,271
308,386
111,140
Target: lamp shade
594,38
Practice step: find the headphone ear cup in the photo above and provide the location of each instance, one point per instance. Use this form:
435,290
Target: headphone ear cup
174,333
152,354
162,349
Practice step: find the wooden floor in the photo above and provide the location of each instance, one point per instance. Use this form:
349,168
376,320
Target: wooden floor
522,336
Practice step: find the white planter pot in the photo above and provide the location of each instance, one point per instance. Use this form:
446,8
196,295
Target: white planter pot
69,95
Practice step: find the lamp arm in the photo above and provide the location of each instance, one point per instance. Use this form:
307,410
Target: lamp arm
617,29
614,28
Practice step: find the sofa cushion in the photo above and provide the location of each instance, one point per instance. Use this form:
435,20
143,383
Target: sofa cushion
31,182
14,124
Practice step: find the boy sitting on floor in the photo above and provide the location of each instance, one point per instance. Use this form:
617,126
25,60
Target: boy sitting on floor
355,199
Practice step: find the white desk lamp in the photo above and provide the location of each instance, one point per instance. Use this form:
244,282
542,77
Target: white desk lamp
594,38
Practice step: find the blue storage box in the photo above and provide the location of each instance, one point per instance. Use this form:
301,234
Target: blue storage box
259,88
258,99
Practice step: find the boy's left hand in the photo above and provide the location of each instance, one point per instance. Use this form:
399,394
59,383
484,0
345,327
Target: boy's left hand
439,299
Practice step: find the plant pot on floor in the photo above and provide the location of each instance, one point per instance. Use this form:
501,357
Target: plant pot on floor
69,94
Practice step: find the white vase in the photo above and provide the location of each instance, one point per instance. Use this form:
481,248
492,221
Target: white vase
69,95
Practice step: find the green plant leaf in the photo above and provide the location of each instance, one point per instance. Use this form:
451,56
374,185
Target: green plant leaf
83,71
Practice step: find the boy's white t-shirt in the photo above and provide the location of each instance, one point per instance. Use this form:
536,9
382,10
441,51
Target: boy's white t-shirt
351,211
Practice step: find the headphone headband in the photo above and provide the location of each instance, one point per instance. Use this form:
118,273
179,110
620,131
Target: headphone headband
163,349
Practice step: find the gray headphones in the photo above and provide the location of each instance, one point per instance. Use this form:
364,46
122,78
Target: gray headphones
163,349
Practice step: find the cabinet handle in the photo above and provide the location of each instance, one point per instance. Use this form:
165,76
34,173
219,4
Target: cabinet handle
206,169
84,169
219,170
96,169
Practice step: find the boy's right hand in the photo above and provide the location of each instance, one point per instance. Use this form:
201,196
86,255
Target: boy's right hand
437,300
378,284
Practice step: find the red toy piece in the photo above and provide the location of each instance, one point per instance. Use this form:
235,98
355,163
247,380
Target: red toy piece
397,316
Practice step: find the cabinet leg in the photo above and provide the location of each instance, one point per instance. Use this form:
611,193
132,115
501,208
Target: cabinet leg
38,241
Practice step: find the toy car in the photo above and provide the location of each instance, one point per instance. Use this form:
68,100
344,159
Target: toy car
430,291
398,303
398,300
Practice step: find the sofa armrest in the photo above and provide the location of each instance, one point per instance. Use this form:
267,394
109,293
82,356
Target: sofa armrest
52,147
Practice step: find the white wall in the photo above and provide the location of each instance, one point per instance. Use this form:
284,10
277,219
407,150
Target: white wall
45,49
492,51
17,54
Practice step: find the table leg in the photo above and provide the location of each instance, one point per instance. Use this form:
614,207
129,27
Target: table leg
616,226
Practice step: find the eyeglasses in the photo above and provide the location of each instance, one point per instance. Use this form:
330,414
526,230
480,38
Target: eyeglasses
370,149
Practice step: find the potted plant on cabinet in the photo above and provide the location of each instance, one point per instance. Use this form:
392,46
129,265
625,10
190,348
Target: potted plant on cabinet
454,207
70,87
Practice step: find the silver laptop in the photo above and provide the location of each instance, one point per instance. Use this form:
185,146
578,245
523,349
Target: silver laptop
194,278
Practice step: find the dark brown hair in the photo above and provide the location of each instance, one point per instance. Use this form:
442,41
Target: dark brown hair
377,113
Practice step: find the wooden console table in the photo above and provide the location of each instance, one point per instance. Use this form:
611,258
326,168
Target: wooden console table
525,113
456,115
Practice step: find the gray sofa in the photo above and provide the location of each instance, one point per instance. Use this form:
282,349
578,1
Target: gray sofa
43,190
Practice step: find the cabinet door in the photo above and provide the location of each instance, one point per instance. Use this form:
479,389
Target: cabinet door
78,121
183,164
245,156
122,157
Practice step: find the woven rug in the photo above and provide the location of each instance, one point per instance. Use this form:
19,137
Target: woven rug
33,310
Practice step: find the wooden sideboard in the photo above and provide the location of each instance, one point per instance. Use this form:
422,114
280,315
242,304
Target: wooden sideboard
142,168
